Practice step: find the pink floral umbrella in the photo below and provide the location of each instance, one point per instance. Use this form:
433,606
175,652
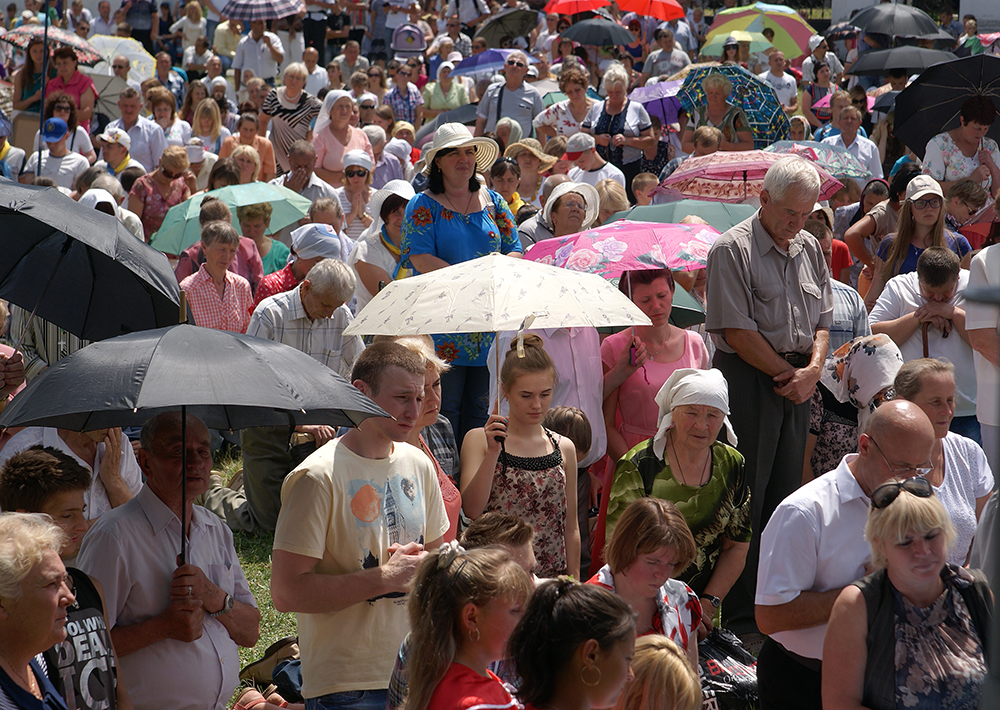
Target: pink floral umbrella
734,176
628,246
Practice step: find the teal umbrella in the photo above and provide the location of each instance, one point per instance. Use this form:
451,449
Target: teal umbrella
180,228
721,215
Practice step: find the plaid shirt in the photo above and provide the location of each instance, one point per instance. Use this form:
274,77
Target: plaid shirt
404,108
278,282
283,319
231,312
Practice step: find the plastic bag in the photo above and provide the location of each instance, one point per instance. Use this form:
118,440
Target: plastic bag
728,672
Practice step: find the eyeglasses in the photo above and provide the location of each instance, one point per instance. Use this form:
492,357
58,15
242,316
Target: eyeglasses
574,205
169,175
884,495
374,74
519,65
62,107
507,159
921,470
451,27
118,66
355,173
934,202
402,73
859,102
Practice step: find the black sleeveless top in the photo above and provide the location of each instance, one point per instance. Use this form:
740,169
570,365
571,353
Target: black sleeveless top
82,666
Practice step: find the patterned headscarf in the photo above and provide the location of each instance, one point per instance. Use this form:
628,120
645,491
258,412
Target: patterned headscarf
857,371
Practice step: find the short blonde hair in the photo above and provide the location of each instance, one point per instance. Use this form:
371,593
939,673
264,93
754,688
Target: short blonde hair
261,210
248,151
663,678
889,525
24,540
718,80
644,180
296,69
612,196
175,157
423,345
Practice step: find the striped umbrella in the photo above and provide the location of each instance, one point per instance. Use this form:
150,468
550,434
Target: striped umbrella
256,10
763,110
86,54
791,32
758,42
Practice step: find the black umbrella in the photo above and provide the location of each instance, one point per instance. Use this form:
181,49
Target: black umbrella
910,59
79,268
885,102
844,30
465,115
598,32
932,103
515,23
898,20
228,380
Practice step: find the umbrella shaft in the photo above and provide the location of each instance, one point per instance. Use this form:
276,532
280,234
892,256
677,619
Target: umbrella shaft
55,269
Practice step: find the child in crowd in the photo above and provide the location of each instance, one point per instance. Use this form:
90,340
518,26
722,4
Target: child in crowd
642,185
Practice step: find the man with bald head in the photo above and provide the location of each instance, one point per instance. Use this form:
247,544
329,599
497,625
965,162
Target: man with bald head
814,545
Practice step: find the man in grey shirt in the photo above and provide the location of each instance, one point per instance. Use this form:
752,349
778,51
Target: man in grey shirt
514,98
769,309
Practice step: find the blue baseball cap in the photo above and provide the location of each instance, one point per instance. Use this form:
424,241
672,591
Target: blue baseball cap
54,130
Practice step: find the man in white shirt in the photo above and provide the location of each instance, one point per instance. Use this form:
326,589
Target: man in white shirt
148,140
665,61
932,294
214,69
588,166
115,144
814,545
514,98
783,84
983,323
683,36
58,162
121,66
260,52
857,145
317,78
103,24
820,53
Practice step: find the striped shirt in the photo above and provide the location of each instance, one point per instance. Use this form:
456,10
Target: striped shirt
44,344
283,319
230,312
289,124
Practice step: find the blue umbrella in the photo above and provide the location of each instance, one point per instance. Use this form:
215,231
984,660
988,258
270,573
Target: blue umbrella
659,100
763,110
492,60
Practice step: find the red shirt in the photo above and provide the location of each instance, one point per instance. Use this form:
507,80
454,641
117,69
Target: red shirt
230,312
841,258
277,282
464,689
78,85
247,262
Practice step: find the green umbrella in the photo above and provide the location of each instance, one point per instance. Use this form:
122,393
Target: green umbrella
181,229
721,215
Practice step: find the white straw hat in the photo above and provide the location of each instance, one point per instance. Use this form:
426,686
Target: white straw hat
455,135
590,197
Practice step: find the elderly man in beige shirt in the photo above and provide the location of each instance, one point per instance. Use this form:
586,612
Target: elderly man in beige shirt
770,307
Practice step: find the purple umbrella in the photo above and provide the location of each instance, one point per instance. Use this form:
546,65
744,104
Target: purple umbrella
660,100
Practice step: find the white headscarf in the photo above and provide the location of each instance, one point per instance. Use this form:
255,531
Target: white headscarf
441,66
690,386
860,369
332,97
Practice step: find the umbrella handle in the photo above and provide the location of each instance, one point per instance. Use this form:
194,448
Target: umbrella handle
183,304
182,558
62,255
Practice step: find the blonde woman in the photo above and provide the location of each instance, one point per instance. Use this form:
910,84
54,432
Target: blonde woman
190,27
289,111
663,678
613,199
156,192
249,161
207,125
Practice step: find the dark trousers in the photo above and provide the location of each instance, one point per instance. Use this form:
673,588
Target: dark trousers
465,394
772,438
583,516
783,683
314,34
145,37
631,170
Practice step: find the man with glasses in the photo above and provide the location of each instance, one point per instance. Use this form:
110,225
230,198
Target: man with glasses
814,546
404,97
850,139
453,31
513,98
933,295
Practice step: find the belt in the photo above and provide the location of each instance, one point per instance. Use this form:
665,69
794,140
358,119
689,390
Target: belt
796,359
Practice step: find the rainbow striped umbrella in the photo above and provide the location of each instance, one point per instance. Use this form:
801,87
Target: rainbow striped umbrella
791,32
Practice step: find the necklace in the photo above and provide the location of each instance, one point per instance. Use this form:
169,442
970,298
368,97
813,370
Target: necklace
468,205
32,687
664,344
680,468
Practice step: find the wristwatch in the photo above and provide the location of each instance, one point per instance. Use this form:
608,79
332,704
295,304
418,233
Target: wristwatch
227,606
716,602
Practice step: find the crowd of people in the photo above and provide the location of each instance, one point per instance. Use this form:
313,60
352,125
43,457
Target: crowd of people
549,519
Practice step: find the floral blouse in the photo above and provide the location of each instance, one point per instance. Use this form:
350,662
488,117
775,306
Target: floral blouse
431,228
944,161
559,117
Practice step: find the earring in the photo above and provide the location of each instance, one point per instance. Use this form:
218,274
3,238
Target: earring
476,639
583,676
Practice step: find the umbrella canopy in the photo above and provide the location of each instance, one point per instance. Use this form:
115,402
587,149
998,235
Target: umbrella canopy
254,10
86,54
180,228
494,293
683,73
625,245
884,103
575,7
143,64
659,100
228,380
598,32
758,42
843,30
660,9
734,176
492,60
767,118
515,23
791,32
932,103
82,268
913,60
109,88
836,160
898,20
720,215
465,114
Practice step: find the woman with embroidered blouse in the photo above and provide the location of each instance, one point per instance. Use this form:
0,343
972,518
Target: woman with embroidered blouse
454,220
